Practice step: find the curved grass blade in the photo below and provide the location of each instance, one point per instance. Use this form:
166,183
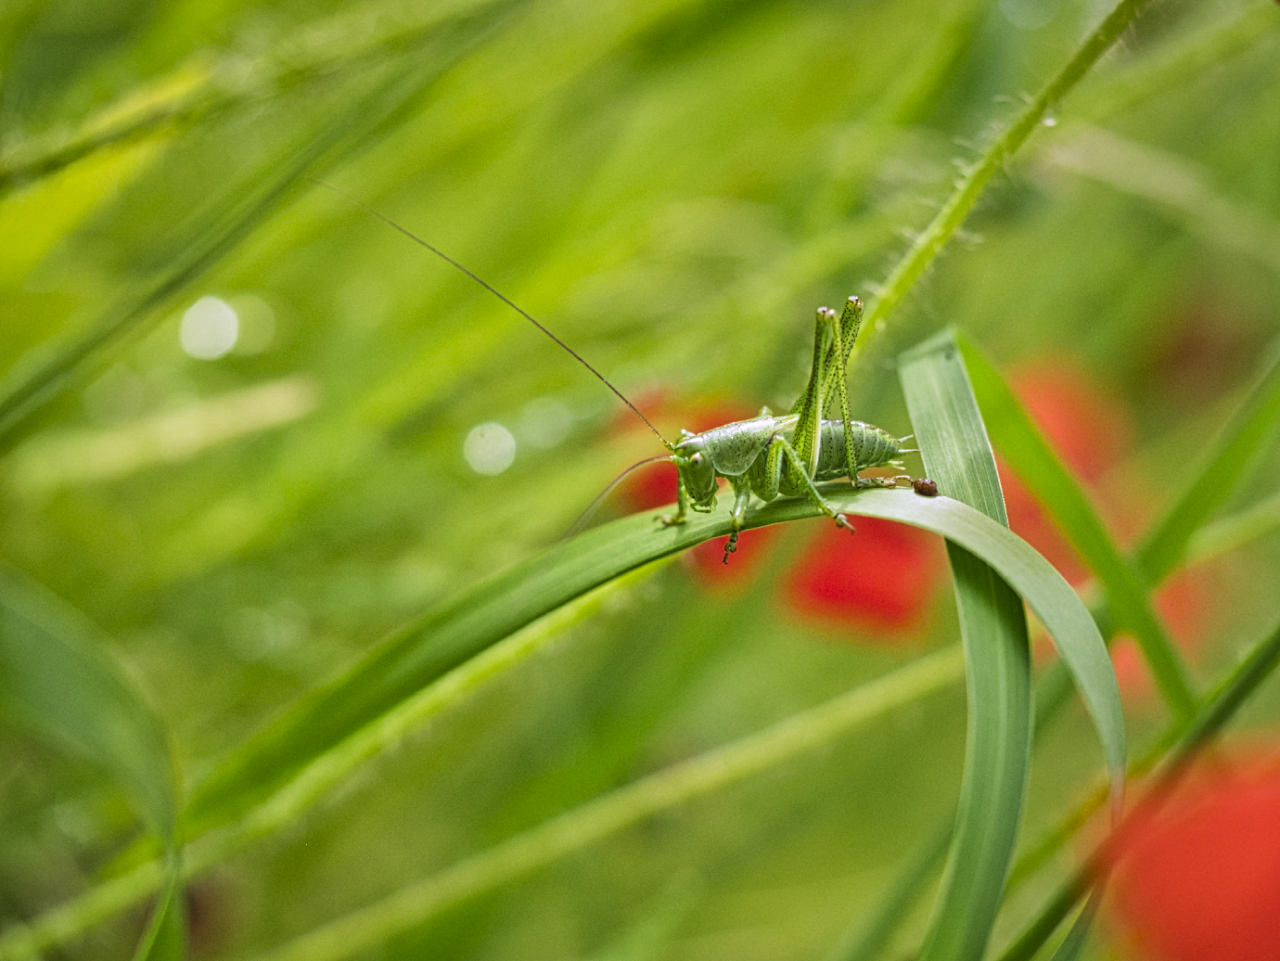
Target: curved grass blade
319,728
956,454
425,650
57,680
1035,462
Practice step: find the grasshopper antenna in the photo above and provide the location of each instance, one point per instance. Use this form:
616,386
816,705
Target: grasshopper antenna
594,506
501,296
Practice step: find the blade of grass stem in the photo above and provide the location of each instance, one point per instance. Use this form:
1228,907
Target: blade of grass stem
1036,464
390,687
57,680
993,627
947,221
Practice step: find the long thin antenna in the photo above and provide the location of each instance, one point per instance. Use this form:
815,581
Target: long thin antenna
497,293
594,506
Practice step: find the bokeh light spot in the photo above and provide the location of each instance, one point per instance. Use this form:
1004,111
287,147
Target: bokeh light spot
489,449
209,329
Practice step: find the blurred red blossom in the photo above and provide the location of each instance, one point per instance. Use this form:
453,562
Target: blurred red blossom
1199,879
1091,431
880,577
707,559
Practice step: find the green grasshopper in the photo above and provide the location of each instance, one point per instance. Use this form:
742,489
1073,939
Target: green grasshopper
767,455
770,455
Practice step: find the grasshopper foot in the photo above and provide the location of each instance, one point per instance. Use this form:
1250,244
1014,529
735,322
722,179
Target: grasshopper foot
842,521
667,520
730,547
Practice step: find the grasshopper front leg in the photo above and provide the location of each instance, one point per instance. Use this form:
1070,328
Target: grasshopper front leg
682,506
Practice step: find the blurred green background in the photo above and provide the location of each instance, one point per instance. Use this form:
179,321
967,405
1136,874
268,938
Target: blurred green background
252,463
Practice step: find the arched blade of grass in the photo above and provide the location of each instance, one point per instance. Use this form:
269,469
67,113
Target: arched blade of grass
322,737
425,650
1215,713
1038,466
956,454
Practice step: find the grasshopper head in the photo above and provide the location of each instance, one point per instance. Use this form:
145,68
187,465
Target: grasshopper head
696,471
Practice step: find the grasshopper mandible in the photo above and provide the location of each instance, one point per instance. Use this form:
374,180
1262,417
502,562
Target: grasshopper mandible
767,455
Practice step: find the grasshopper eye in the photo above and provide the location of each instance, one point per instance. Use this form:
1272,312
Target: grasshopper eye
696,459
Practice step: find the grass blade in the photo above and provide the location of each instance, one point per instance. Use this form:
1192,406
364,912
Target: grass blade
1048,479
423,651
997,660
319,727
165,938
57,680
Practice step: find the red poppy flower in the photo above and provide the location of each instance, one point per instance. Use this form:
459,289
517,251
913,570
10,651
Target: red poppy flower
880,577
1089,430
1199,880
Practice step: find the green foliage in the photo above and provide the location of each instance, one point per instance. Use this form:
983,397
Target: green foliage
410,722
